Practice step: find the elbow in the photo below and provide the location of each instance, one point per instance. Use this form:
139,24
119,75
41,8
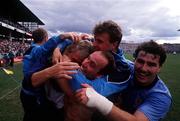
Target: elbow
34,81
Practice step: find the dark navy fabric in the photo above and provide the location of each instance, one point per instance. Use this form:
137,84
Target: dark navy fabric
36,106
154,101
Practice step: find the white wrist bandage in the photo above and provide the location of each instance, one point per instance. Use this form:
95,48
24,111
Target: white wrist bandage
99,102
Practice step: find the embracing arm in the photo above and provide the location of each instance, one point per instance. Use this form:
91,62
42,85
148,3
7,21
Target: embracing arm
60,70
57,56
68,38
92,99
117,114
64,85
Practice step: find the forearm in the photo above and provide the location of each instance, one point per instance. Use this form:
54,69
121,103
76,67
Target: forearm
112,112
117,114
64,85
50,45
60,70
39,78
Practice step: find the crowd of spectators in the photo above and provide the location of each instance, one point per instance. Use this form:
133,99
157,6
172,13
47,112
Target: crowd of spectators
130,47
9,49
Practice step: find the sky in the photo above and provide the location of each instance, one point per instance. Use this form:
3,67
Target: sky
140,20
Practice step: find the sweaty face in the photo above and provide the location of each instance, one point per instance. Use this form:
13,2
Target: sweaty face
102,42
146,68
93,64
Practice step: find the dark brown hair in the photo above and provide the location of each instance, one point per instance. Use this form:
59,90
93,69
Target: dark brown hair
39,35
111,28
153,48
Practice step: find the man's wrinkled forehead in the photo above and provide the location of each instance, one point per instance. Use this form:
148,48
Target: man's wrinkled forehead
92,58
144,53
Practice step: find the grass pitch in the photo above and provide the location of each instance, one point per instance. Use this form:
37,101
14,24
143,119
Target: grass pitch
10,106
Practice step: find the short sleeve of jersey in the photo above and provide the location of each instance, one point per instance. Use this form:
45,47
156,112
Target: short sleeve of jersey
105,88
156,106
77,80
100,84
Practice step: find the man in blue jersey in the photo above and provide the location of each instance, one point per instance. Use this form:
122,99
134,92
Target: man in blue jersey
97,65
107,36
75,52
35,59
146,99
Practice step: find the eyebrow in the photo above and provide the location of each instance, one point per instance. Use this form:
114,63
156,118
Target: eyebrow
154,56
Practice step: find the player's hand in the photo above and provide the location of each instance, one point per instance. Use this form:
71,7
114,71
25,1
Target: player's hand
85,36
80,95
57,56
71,35
64,69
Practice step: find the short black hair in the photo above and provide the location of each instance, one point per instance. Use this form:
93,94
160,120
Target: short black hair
153,48
111,63
111,28
39,35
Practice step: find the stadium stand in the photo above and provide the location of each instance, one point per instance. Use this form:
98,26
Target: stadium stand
130,47
16,24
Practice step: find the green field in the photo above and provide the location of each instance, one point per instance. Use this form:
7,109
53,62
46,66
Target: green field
10,106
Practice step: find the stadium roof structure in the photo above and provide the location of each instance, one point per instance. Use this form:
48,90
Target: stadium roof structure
16,20
16,11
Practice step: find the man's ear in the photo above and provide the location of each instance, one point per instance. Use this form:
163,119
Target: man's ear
115,45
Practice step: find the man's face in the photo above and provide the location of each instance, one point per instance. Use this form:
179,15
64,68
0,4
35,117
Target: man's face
102,42
146,67
93,64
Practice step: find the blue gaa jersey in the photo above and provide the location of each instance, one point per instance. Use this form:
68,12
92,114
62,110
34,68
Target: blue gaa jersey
117,81
123,70
100,84
36,59
154,101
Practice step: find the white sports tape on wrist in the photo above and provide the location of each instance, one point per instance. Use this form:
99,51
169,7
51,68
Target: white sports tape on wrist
99,102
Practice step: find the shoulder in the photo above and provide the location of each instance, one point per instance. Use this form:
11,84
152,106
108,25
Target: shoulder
159,92
160,87
157,103
156,106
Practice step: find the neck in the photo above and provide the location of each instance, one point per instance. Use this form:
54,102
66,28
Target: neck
115,50
40,43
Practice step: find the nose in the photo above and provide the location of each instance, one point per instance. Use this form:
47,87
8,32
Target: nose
144,67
